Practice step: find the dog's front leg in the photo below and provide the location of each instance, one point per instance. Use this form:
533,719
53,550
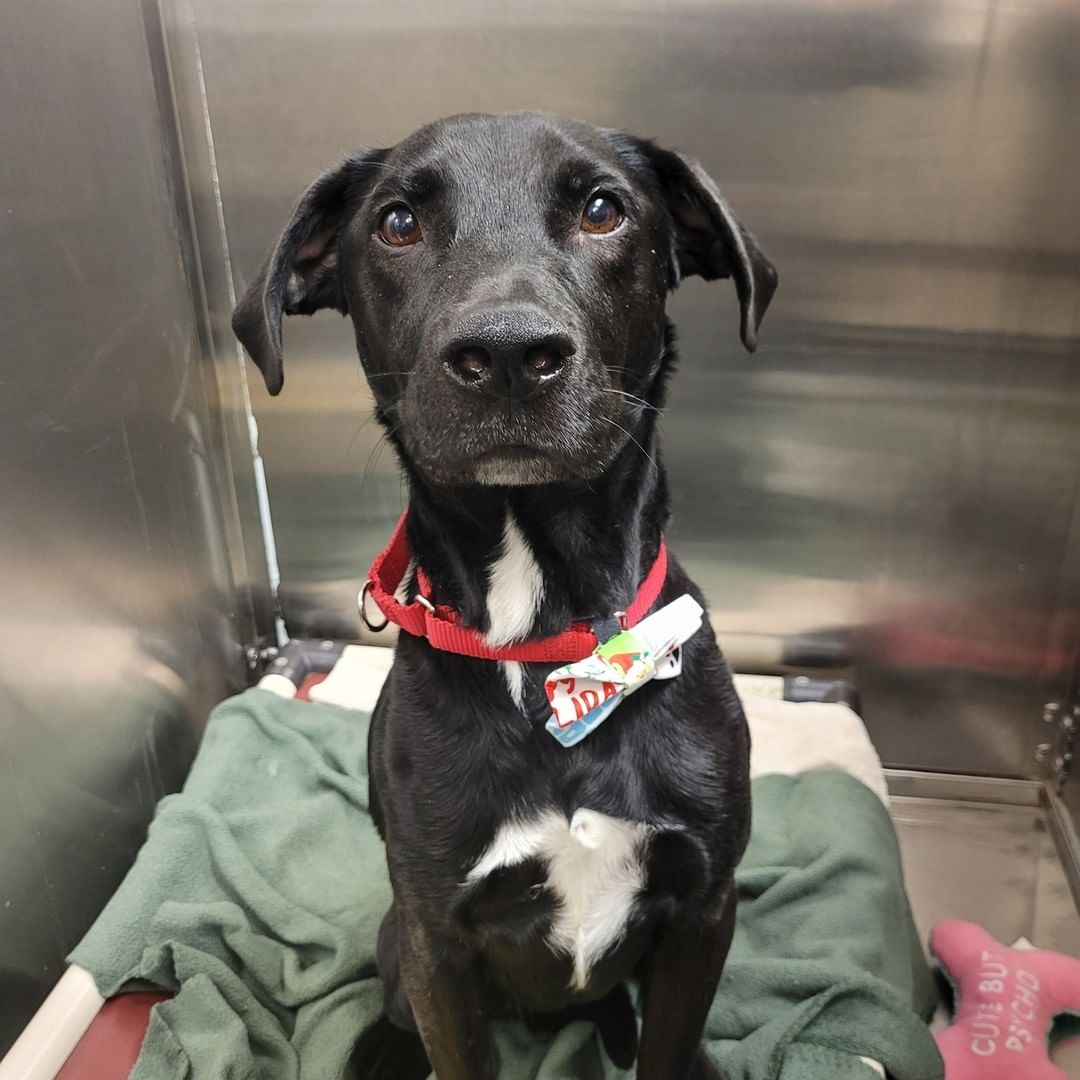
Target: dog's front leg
679,982
444,991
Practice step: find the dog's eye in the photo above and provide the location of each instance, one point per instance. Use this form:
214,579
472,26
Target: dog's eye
602,214
399,227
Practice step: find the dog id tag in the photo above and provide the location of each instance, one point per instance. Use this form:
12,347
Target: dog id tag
584,694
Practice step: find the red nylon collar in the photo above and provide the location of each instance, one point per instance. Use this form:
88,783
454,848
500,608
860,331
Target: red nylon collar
442,626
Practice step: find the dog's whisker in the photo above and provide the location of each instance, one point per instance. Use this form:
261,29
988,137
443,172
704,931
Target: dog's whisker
376,453
651,459
634,398
373,461
373,415
356,434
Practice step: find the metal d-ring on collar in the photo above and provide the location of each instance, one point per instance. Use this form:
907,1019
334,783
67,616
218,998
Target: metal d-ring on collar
361,607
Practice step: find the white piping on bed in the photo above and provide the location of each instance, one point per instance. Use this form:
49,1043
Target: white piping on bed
54,1031
281,685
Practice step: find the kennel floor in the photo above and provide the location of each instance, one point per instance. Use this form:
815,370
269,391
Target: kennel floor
996,865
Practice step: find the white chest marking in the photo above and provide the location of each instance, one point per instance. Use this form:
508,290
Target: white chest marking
595,866
515,592
514,674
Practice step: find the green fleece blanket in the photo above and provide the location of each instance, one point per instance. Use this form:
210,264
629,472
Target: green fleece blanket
259,891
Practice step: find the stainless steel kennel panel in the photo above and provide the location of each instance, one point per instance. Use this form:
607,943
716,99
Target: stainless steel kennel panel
890,478
121,608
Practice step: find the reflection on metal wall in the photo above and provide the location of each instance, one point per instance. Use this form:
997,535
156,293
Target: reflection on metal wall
893,473
119,622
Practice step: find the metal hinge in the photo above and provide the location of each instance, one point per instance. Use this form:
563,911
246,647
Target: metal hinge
1059,750
257,658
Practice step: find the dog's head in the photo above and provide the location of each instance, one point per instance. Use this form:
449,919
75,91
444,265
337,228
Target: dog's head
506,277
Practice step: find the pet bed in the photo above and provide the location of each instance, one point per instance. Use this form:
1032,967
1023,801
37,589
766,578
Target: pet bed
257,897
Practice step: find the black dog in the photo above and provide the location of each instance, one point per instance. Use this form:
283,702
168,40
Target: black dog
506,277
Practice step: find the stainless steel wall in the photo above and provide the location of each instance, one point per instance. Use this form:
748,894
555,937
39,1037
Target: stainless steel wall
892,476
124,597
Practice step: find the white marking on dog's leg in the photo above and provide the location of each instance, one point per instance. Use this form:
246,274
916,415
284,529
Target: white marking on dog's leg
515,593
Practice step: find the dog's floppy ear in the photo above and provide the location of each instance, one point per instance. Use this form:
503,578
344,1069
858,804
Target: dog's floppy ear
300,275
708,239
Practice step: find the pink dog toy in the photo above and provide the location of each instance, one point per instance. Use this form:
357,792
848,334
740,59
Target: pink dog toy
1006,1001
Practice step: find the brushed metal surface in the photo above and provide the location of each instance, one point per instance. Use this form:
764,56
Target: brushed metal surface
1071,804
994,865
892,475
119,619
954,789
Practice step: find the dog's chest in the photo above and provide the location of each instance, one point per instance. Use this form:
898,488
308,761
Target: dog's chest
595,866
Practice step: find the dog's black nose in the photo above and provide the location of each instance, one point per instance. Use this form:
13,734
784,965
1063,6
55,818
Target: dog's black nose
504,351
